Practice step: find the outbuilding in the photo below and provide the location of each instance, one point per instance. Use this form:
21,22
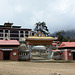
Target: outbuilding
68,50
9,49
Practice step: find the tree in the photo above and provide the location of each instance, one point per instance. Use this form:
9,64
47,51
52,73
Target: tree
59,34
68,38
41,27
72,40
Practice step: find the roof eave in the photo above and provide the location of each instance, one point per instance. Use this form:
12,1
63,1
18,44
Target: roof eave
41,39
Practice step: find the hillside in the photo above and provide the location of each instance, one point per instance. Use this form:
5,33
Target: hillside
70,33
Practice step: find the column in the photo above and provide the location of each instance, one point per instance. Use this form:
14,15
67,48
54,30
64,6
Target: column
29,33
19,35
3,34
29,48
49,52
9,34
24,34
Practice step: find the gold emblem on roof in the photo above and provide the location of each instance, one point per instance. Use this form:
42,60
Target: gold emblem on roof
39,32
35,35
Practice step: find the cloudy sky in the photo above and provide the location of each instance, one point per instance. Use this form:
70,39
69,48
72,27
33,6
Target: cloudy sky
58,14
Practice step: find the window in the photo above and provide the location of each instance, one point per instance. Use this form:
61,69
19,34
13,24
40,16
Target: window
22,54
1,30
6,31
26,32
21,31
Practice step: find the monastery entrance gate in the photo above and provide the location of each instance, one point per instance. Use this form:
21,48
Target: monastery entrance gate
40,41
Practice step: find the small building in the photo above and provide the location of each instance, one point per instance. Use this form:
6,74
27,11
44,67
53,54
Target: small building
9,49
68,50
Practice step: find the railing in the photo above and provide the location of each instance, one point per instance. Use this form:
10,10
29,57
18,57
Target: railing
14,37
1,37
13,33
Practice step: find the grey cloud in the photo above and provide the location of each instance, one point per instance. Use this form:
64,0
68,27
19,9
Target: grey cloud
58,14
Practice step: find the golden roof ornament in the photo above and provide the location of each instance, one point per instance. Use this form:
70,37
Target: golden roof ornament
35,35
43,35
39,32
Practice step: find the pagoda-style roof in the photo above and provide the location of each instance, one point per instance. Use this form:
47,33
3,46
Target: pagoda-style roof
40,38
8,24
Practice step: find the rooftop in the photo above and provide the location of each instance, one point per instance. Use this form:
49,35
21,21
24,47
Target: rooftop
40,38
9,42
66,44
10,26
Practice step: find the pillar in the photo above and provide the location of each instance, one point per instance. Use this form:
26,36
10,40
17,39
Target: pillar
24,34
19,35
49,52
29,48
3,34
9,34
29,33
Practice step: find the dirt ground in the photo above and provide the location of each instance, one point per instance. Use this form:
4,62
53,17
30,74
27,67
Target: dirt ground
33,68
